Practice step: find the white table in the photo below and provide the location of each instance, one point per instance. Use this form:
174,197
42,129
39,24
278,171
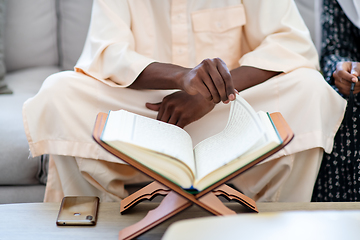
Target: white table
37,220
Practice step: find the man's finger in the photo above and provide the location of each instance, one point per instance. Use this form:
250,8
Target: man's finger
156,107
215,85
174,118
210,86
226,76
206,86
218,81
164,115
208,75
181,123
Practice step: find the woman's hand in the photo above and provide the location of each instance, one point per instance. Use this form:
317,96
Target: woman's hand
181,109
211,79
345,74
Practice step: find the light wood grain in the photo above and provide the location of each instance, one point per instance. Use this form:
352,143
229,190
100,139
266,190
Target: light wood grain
37,220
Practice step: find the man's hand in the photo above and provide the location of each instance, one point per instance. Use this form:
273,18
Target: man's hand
181,109
345,74
212,79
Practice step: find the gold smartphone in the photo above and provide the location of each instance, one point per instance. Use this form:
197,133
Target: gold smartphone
78,210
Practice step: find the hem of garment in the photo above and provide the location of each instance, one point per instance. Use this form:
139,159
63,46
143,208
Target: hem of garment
26,128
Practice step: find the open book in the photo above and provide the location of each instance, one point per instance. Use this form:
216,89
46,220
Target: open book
168,150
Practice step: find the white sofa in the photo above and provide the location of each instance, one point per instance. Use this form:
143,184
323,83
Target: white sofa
42,37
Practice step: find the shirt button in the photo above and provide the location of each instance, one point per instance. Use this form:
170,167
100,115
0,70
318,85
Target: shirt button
180,50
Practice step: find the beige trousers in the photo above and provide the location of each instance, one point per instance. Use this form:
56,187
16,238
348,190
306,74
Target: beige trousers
286,179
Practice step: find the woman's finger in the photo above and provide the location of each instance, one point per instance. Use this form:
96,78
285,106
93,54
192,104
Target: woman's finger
355,70
344,76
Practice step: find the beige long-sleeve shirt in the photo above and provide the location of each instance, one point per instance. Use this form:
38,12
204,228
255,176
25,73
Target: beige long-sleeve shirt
126,36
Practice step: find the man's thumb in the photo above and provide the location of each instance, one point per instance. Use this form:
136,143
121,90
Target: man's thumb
153,106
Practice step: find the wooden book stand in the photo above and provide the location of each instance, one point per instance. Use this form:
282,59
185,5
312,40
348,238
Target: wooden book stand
177,199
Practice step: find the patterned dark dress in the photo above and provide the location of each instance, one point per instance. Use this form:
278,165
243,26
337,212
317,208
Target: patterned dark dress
339,175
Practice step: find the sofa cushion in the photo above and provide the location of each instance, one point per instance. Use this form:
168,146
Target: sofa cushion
2,28
30,34
74,19
22,194
16,167
3,87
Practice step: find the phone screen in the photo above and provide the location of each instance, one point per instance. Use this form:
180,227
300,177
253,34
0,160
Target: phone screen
78,210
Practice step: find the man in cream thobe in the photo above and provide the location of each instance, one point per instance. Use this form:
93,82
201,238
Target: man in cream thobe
127,38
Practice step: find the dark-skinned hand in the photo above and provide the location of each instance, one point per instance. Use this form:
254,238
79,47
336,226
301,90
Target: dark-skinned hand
345,74
212,79
181,109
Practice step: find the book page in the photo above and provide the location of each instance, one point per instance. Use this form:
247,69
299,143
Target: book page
266,143
243,130
151,134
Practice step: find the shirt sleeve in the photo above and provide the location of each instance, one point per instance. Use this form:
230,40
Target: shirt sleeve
109,52
277,36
